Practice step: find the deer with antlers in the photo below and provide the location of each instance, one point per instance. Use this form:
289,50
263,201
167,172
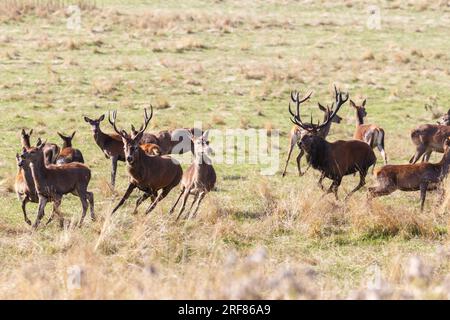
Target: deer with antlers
110,144
68,154
52,182
199,178
336,159
297,133
51,150
412,177
147,173
371,134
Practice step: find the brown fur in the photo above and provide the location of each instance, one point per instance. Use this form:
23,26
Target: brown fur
69,154
428,138
151,149
51,150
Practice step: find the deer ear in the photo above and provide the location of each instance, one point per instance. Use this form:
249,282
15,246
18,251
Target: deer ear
321,107
31,132
23,132
133,128
205,135
87,119
101,118
59,134
352,103
364,103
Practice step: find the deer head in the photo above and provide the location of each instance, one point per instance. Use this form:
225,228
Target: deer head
202,149
131,143
25,137
95,123
67,139
445,119
34,154
360,109
328,112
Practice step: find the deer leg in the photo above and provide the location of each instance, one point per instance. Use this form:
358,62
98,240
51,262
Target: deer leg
127,194
56,205
334,187
299,158
161,196
176,202
24,204
42,202
419,152
84,205
141,199
192,205
183,202
114,170
322,176
383,153
199,199
423,193
426,156
90,197
291,147
362,182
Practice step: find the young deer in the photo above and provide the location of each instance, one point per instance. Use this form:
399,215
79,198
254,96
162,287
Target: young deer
199,178
297,133
337,159
52,182
51,150
110,144
412,177
428,138
147,173
371,134
67,153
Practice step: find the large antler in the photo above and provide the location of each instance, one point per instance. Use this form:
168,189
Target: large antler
340,99
296,118
147,119
112,121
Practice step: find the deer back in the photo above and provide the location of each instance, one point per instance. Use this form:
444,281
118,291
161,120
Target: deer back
432,136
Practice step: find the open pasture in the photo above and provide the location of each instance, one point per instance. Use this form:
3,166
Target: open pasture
226,64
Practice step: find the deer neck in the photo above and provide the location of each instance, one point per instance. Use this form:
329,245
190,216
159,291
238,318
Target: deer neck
100,138
359,119
39,173
325,130
201,160
26,142
28,176
67,144
138,169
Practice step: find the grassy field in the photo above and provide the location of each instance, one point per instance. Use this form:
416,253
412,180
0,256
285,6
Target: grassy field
228,64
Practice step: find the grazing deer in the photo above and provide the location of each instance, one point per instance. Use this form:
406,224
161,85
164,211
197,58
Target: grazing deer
337,159
110,144
52,182
428,138
69,154
199,178
412,177
296,134
24,186
151,149
371,134
147,173
51,150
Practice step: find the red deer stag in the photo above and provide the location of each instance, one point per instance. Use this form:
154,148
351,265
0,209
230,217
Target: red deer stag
428,138
52,182
110,144
51,150
147,173
296,133
371,134
69,154
336,159
199,178
412,177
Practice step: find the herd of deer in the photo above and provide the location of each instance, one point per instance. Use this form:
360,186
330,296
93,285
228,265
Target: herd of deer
340,158
48,172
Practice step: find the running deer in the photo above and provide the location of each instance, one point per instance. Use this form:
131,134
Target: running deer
199,178
337,159
52,182
68,154
51,150
110,144
412,177
428,138
371,134
147,173
296,133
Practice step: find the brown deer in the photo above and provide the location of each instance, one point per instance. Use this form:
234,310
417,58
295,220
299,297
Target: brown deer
296,134
52,182
51,150
412,177
24,186
428,138
110,144
337,159
147,173
199,178
445,119
371,134
68,154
